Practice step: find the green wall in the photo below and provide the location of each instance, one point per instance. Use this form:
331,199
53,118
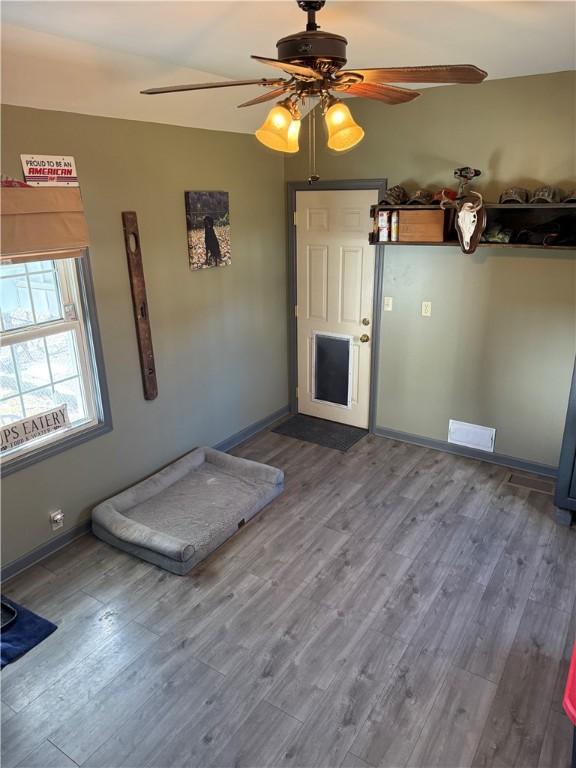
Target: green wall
517,131
499,347
497,351
219,335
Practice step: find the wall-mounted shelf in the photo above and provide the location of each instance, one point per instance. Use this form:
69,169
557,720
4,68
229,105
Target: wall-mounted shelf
499,206
513,216
452,244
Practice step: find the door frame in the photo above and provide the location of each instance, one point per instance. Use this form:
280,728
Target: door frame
351,185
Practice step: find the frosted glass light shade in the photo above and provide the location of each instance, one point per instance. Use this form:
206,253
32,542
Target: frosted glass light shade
343,131
279,131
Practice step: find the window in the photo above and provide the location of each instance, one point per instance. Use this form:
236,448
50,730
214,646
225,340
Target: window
48,355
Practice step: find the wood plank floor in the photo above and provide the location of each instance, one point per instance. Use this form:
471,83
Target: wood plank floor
396,606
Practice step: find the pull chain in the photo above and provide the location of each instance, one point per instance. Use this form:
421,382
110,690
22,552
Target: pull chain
313,177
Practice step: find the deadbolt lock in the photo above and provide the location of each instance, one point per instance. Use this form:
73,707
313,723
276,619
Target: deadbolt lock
365,321
364,338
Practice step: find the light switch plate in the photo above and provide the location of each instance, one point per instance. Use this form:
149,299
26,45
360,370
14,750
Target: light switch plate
388,303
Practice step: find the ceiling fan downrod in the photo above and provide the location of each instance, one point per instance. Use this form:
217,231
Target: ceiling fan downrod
311,7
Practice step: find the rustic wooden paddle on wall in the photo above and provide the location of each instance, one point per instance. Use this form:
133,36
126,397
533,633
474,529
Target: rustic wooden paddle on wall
140,304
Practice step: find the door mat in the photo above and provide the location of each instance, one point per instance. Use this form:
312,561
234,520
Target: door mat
21,632
329,434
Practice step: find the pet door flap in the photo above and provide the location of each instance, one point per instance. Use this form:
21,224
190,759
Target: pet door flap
332,369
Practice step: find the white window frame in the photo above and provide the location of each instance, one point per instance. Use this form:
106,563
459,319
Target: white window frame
76,292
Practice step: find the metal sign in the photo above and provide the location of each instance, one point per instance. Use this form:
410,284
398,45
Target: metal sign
20,432
49,170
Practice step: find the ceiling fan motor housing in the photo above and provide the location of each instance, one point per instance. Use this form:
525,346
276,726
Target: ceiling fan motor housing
323,51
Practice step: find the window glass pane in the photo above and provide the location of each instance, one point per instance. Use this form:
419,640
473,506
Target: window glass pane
29,294
70,392
39,266
45,296
10,410
62,354
41,369
32,364
38,401
15,302
8,383
9,270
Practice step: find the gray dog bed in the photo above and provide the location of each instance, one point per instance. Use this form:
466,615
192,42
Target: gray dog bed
175,518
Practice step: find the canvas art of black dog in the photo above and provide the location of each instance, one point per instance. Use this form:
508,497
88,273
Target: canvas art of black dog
213,255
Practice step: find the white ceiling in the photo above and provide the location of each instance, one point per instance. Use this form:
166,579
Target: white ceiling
94,57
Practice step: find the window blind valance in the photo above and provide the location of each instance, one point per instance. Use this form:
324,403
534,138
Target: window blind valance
42,223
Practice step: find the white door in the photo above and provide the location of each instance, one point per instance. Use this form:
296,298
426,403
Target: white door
335,286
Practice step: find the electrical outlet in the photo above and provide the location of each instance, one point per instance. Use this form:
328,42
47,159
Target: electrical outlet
426,309
388,303
56,519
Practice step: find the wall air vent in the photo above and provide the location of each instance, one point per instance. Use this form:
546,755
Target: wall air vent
471,435
540,484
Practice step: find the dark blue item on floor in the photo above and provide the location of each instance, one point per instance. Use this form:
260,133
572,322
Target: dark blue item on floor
22,634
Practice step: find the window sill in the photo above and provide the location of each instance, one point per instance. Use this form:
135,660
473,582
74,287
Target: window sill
9,466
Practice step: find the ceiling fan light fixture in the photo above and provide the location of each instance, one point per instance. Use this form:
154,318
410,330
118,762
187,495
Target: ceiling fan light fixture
314,61
281,128
343,131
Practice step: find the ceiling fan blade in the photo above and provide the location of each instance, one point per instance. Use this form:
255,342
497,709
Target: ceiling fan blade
386,93
443,73
222,84
292,69
267,96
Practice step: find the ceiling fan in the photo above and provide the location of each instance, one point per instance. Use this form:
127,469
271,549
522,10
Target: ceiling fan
314,61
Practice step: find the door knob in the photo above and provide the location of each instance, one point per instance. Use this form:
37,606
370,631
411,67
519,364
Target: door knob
365,321
364,338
